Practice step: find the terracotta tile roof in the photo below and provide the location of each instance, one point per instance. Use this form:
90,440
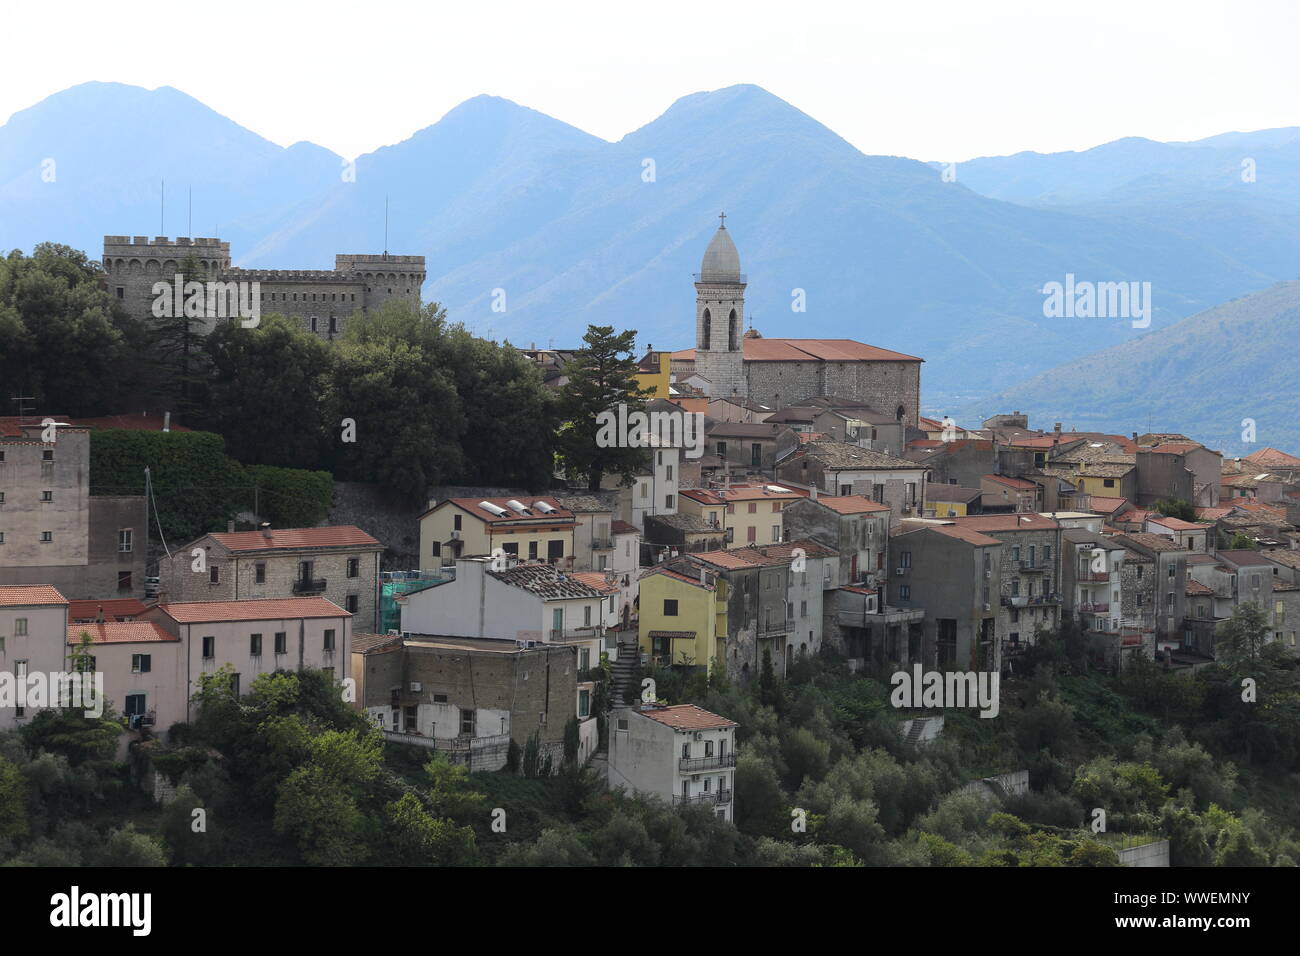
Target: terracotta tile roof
20,595
727,560
1106,504
1274,458
785,549
1152,542
851,504
686,717
546,582
719,496
1020,483
809,350
948,530
337,536
1288,559
622,527
269,609
842,456
596,581
674,635
471,505
1242,557
1175,524
114,609
676,576
374,643
1173,447
1017,521
938,492
121,632
1195,587
1212,514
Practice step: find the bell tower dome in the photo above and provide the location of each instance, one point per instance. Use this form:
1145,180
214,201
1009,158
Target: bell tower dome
720,317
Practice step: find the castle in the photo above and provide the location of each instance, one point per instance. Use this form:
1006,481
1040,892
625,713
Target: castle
322,300
728,361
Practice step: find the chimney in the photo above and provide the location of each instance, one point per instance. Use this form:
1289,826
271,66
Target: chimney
230,526
812,491
266,530
702,581
100,618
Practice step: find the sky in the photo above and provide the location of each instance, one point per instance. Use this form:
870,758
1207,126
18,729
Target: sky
927,79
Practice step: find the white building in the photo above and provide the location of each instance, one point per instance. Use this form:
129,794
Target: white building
33,632
523,602
682,753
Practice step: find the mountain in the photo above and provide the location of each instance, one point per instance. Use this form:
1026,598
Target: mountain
1203,376
576,230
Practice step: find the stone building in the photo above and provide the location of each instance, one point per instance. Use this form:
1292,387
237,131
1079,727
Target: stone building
338,563
52,530
322,300
782,372
471,697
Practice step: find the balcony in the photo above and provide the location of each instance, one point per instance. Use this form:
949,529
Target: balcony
602,544
1014,600
1095,608
1093,577
574,635
309,586
696,764
710,797
1036,566
886,616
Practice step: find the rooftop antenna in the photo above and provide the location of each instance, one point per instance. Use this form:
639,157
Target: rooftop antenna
21,400
385,224
189,213
162,207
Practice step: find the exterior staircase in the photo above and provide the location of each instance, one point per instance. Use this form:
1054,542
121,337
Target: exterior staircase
623,671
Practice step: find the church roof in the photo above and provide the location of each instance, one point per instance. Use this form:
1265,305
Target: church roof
809,350
721,260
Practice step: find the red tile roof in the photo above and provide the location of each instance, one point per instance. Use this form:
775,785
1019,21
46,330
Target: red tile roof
1012,482
471,505
594,580
1106,504
687,717
269,609
337,536
622,527
969,535
1274,458
809,350
20,595
1017,521
120,632
851,504
114,608
1197,588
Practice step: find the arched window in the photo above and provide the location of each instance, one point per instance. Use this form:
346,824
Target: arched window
708,323
731,331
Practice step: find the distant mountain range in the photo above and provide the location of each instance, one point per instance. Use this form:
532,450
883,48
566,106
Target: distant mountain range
498,196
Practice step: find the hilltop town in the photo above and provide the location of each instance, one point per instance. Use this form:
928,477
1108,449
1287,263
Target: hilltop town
777,537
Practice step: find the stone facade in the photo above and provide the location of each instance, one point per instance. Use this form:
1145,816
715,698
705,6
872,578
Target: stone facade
322,300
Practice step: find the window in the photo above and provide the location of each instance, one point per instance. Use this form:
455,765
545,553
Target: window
135,705
455,521
467,721
124,580
20,673
412,719
668,501
722,449
586,615
125,542
584,703
437,549
281,642
141,663
1172,572
20,627
255,645
47,496
907,559
532,550
554,550
259,572
669,473
1108,482
214,574
209,648
354,567
776,532
670,607
47,455
329,640
905,591
440,698
46,537
350,604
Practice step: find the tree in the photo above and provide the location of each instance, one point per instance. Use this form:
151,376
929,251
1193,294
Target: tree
602,376
176,340
264,391
1175,508
1241,637
64,342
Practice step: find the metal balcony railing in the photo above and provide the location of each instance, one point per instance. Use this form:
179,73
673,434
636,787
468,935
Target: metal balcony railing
696,764
308,585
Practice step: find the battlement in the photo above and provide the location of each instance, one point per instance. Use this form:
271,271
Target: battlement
289,275
354,263
128,246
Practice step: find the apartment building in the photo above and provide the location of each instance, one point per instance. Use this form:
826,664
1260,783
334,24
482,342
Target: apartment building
682,753
255,636
52,530
750,514
531,528
339,564
839,468
144,668
33,635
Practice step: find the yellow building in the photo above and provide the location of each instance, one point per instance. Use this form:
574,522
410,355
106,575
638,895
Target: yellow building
950,501
748,514
530,528
683,618
653,373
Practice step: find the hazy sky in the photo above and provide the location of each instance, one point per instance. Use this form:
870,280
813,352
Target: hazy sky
928,79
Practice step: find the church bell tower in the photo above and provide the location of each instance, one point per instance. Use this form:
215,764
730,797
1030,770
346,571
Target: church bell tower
720,317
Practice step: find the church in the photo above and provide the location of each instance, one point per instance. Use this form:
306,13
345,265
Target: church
728,360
